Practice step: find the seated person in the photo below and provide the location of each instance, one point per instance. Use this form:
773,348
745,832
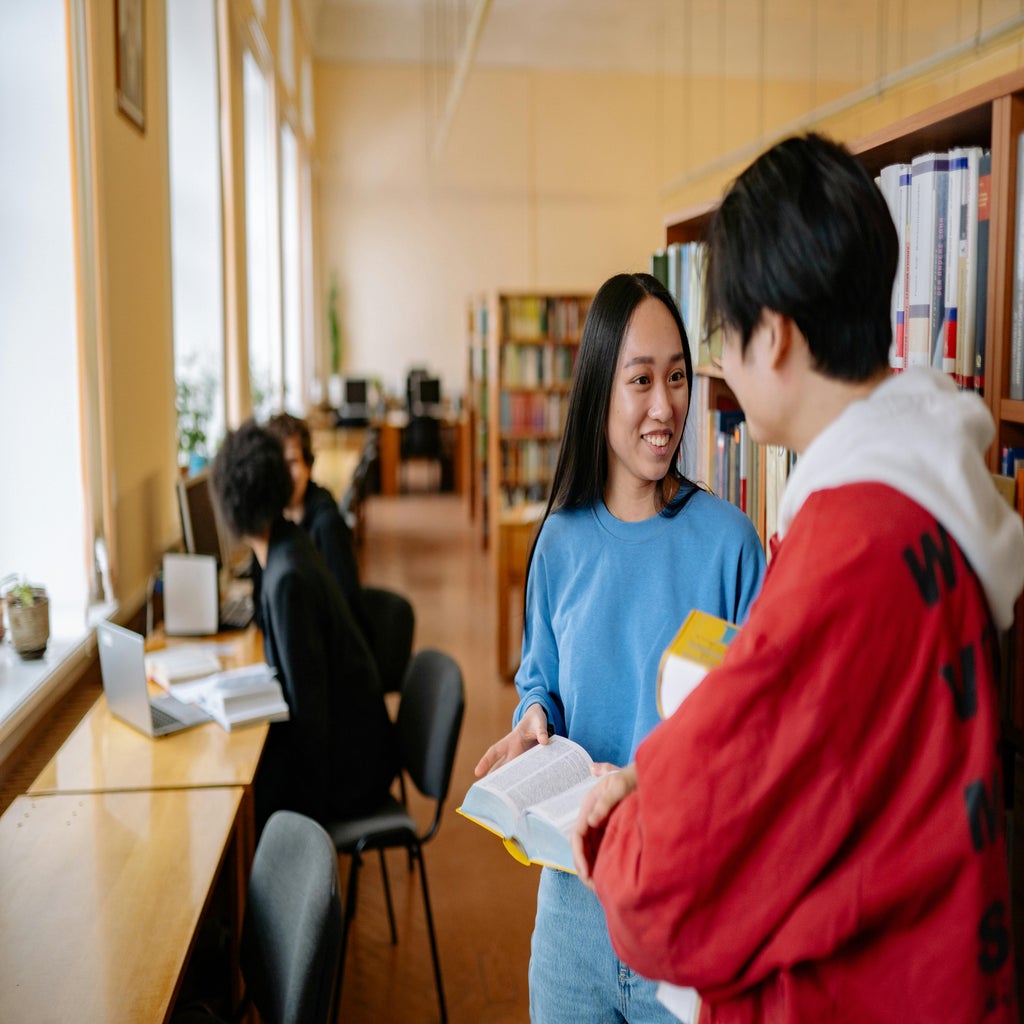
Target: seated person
337,755
315,510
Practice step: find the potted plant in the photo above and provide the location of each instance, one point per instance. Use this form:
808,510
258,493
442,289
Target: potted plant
28,615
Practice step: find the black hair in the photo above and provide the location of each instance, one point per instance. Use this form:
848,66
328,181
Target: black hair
805,232
285,425
581,471
250,480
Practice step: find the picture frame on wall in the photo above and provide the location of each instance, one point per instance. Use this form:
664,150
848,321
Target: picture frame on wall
129,47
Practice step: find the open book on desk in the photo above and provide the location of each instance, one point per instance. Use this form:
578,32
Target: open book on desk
532,802
237,696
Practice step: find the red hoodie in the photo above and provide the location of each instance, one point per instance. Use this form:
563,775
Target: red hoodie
817,833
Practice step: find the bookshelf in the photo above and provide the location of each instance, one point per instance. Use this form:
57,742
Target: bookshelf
532,340
990,115
523,348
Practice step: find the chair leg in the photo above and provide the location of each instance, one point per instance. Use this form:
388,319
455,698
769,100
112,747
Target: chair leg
387,897
348,914
433,939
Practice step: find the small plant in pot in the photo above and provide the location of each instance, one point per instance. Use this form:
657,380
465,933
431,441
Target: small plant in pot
28,616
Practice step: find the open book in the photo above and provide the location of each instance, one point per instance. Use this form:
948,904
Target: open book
237,696
532,802
696,649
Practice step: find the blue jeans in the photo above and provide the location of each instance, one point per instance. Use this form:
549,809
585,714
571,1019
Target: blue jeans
575,976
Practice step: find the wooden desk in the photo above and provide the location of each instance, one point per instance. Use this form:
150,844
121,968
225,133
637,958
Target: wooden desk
103,754
515,537
334,468
100,898
390,433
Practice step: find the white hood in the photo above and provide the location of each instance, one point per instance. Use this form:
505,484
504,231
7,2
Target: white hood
920,435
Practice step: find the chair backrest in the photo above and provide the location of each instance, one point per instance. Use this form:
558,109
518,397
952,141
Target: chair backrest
421,438
429,722
291,934
393,621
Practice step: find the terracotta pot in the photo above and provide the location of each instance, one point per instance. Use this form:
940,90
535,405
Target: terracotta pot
30,625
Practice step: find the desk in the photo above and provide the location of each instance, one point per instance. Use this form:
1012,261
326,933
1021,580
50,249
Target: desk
334,468
454,439
100,898
103,754
516,527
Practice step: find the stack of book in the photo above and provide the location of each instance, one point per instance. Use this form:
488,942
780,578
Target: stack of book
244,696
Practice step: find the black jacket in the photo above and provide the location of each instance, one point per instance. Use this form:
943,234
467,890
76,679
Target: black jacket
337,755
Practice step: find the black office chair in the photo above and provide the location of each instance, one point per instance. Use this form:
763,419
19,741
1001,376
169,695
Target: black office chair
393,623
421,442
291,933
429,721
351,504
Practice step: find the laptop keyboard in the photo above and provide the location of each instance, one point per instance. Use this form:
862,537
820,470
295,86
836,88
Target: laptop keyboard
237,612
161,718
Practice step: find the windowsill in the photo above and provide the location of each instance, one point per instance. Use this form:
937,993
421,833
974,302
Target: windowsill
27,685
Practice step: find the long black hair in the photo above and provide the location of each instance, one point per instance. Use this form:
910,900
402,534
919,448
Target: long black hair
581,471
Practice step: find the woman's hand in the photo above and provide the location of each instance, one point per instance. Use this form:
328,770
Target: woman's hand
531,729
598,804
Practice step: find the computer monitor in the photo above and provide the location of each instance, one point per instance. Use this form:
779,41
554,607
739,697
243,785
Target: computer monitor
427,395
357,392
355,410
200,527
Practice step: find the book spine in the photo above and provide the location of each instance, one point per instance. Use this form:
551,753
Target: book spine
937,305
922,259
1017,322
981,287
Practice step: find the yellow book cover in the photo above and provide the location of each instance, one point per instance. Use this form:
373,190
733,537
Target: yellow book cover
698,647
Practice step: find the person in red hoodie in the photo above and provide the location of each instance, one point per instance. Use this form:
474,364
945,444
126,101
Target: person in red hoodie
817,834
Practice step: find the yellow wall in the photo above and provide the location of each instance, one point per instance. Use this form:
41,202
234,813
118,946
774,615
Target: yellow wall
134,276
555,180
549,180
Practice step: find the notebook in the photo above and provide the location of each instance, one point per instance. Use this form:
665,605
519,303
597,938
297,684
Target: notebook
123,668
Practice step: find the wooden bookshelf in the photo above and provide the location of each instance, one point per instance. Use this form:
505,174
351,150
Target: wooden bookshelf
990,115
529,342
532,341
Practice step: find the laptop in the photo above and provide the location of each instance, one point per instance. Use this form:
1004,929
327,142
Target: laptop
123,668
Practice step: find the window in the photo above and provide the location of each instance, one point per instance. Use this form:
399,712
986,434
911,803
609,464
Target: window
291,272
262,263
196,238
43,531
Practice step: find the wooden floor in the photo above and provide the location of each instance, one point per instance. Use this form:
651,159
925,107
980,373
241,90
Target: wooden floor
483,901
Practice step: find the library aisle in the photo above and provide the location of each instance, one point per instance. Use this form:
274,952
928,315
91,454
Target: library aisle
426,547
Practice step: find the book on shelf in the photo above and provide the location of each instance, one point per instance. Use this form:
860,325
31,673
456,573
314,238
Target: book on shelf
939,204
894,182
1016,381
181,663
532,802
981,303
697,647
928,199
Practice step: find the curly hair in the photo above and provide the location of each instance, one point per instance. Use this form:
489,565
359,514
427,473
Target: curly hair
250,480
285,425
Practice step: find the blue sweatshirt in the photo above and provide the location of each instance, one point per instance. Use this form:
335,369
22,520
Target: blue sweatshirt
604,599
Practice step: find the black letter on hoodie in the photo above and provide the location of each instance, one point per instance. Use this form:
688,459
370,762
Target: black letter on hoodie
982,811
993,938
965,696
940,553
